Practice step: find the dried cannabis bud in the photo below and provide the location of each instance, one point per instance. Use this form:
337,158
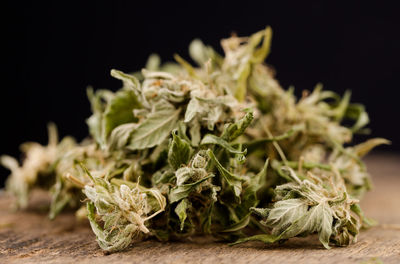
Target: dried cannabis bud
217,149
123,211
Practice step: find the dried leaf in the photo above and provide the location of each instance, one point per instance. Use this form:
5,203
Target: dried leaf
156,128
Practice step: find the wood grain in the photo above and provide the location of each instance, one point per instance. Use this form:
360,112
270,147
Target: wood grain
30,237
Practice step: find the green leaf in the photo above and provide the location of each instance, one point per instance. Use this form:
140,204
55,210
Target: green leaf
257,56
340,110
233,131
262,212
156,128
207,219
120,136
254,144
130,81
193,107
180,192
182,128
97,229
308,165
241,83
357,112
101,235
178,151
233,180
120,110
98,100
261,176
261,53
180,211
325,227
249,194
195,133
167,176
212,139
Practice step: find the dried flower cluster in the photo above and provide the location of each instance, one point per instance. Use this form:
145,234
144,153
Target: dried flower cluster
219,148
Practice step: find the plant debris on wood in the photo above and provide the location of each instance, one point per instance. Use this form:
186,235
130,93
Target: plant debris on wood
219,148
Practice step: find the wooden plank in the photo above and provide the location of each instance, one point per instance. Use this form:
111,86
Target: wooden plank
30,237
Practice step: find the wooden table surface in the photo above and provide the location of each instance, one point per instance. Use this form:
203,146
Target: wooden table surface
30,237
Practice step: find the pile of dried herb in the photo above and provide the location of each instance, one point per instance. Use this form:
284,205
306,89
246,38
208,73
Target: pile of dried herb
218,148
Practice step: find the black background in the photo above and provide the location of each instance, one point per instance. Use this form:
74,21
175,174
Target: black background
55,49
